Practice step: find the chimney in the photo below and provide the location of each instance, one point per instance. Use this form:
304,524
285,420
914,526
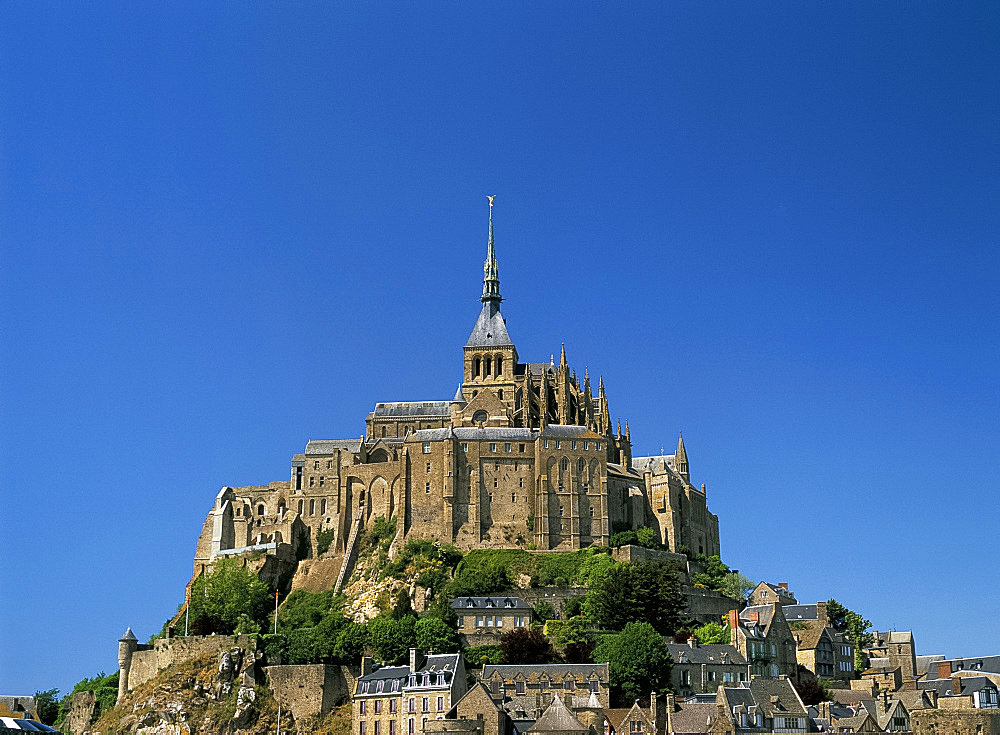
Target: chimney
692,642
824,711
944,669
821,612
956,686
734,619
367,665
417,660
754,616
783,585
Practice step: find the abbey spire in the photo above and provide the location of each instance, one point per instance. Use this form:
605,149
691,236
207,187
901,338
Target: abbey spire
491,279
681,458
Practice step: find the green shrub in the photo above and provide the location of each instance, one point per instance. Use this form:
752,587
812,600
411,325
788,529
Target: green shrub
323,541
105,689
476,656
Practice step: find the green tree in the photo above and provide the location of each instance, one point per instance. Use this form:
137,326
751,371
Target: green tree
47,705
351,642
638,662
392,639
854,626
712,633
713,572
220,596
565,632
476,656
544,612
526,646
646,591
433,634
647,537
738,586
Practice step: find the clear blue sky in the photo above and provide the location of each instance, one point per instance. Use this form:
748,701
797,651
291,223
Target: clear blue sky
227,230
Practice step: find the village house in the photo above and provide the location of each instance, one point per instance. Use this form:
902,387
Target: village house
486,617
762,706
765,593
701,668
762,636
400,700
825,652
524,691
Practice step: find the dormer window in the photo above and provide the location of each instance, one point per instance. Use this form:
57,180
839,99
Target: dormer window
427,680
489,602
440,680
413,680
508,603
470,603
379,686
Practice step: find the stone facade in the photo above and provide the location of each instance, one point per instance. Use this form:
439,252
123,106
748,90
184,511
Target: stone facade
822,650
762,636
401,700
955,722
483,620
525,453
702,668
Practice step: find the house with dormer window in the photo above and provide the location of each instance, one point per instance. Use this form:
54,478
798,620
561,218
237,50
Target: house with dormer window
483,619
400,700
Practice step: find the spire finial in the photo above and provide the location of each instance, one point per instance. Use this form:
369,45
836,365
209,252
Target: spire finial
562,355
491,280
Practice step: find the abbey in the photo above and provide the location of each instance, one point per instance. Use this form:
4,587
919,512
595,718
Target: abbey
523,455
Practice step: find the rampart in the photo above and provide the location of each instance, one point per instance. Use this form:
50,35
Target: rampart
955,721
147,661
310,690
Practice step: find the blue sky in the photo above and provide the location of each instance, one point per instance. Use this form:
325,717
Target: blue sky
226,230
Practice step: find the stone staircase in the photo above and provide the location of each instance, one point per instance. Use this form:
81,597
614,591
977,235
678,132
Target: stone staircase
350,551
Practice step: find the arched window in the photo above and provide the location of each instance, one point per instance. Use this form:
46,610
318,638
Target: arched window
580,465
480,417
260,509
564,465
383,432
499,364
486,366
300,507
500,394
475,367
281,508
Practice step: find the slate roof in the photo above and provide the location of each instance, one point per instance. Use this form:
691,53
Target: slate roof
509,671
777,697
557,718
490,329
982,663
446,663
706,653
800,612
413,408
566,431
809,637
765,613
474,433
330,446
970,684
928,663
658,465
692,719
493,602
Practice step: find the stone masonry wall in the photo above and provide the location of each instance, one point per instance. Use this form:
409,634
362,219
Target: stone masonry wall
955,722
310,690
165,651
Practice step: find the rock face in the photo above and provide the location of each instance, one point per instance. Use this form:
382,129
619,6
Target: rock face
81,712
211,694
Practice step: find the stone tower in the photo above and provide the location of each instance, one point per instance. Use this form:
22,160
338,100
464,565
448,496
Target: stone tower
127,645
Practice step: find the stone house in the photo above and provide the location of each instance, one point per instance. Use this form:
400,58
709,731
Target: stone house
634,720
400,700
524,691
827,653
478,706
762,636
483,618
762,706
523,453
702,668
766,593
893,649
976,692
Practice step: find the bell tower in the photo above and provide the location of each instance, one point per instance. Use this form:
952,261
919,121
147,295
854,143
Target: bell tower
490,356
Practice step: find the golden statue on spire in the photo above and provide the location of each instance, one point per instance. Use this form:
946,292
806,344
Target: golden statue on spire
491,199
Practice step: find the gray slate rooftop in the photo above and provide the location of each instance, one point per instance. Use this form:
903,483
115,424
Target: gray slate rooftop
490,329
708,653
413,408
493,602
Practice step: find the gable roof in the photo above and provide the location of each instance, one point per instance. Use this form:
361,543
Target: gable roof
777,698
413,408
557,718
706,653
692,719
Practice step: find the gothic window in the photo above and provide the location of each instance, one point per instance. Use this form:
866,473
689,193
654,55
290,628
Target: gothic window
323,506
480,417
564,464
486,366
499,364
281,508
260,510
580,465
298,478
500,394
475,367
312,507
300,507
383,432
